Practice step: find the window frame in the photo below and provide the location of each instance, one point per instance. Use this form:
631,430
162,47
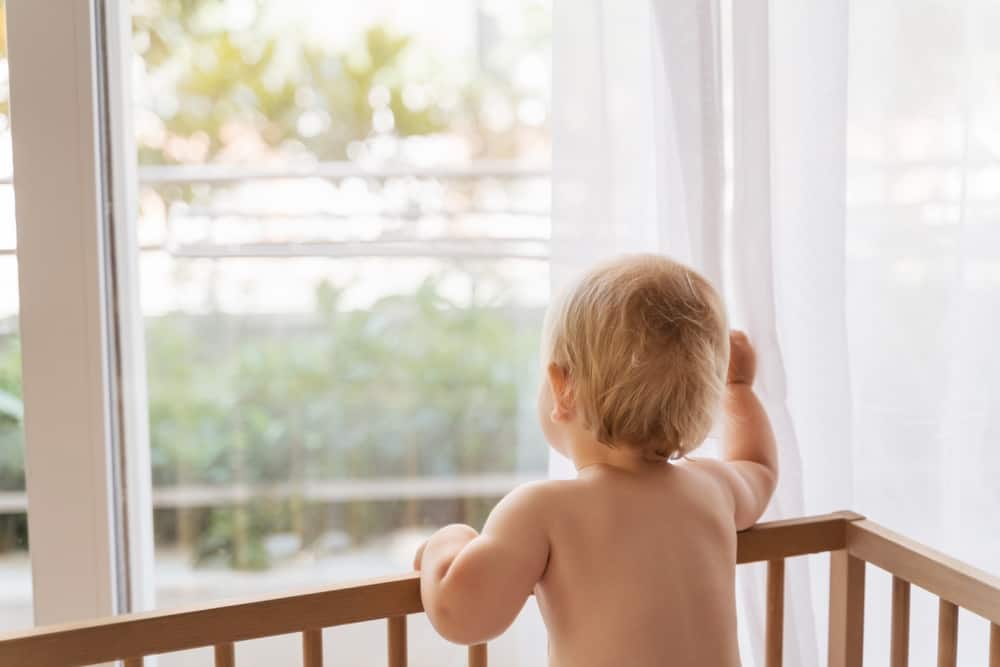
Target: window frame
86,425
86,436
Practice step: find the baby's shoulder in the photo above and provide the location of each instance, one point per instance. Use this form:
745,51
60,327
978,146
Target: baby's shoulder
527,507
541,496
543,491
712,481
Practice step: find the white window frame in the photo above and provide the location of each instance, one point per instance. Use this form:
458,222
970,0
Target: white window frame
86,432
125,313
89,490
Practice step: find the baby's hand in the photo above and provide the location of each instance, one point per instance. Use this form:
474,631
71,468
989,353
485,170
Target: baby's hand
742,359
450,538
419,556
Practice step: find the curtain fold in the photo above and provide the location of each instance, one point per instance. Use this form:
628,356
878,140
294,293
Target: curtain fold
860,249
637,136
753,299
638,166
923,285
637,132
808,45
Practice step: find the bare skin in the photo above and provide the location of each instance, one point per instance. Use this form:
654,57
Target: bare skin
632,562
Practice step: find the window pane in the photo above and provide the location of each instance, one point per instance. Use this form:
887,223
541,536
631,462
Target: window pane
15,570
344,224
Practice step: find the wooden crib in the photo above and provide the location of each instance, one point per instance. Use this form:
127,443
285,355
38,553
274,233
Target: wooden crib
851,540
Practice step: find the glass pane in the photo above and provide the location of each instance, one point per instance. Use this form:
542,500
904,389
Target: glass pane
15,570
344,225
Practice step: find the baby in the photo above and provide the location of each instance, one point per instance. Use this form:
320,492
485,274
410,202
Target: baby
632,562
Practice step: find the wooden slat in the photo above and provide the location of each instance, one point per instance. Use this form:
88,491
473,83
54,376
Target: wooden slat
477,655
397,641
312,648
775,622
165,631
922,566
847,610
994,645
947,634
158,632
225,655
899,647
794,537
177,630
133,662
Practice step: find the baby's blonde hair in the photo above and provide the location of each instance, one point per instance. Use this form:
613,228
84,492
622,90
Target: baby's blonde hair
645,344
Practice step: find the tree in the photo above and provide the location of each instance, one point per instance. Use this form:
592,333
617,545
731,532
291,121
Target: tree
217,86
416,385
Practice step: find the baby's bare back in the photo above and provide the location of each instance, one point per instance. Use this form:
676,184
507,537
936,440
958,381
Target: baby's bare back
641,570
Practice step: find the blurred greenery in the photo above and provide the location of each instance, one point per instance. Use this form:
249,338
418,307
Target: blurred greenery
223,80
415,385
11,412
13,527
214,88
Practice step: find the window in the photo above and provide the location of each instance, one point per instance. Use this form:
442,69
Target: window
15,570
343,225
341,236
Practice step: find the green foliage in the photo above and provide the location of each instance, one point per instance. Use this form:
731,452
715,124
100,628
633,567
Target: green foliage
220,528
11,414
338,86
13,527
416,385
221,85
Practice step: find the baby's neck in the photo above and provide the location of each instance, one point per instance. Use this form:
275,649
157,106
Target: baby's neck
591,455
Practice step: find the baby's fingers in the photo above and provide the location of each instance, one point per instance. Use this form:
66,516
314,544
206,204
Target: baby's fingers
419,556
742,360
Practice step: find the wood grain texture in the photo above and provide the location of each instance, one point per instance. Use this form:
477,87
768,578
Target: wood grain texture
899,645
774,629
847,610
160,632
947,634
397,641
794,537
852,540
478,655
164,631
312,648
922,566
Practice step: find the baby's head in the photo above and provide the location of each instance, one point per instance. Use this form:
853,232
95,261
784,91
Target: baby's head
636,354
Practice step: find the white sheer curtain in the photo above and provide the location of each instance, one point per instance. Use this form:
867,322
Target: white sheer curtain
835,166
923,282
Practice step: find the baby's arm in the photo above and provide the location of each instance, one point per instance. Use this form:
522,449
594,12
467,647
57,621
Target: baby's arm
748,441
750,457
473,586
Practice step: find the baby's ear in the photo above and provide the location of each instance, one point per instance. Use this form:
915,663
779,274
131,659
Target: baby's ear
562,393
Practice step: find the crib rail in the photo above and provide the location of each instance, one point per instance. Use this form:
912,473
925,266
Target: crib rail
955,583
851,540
